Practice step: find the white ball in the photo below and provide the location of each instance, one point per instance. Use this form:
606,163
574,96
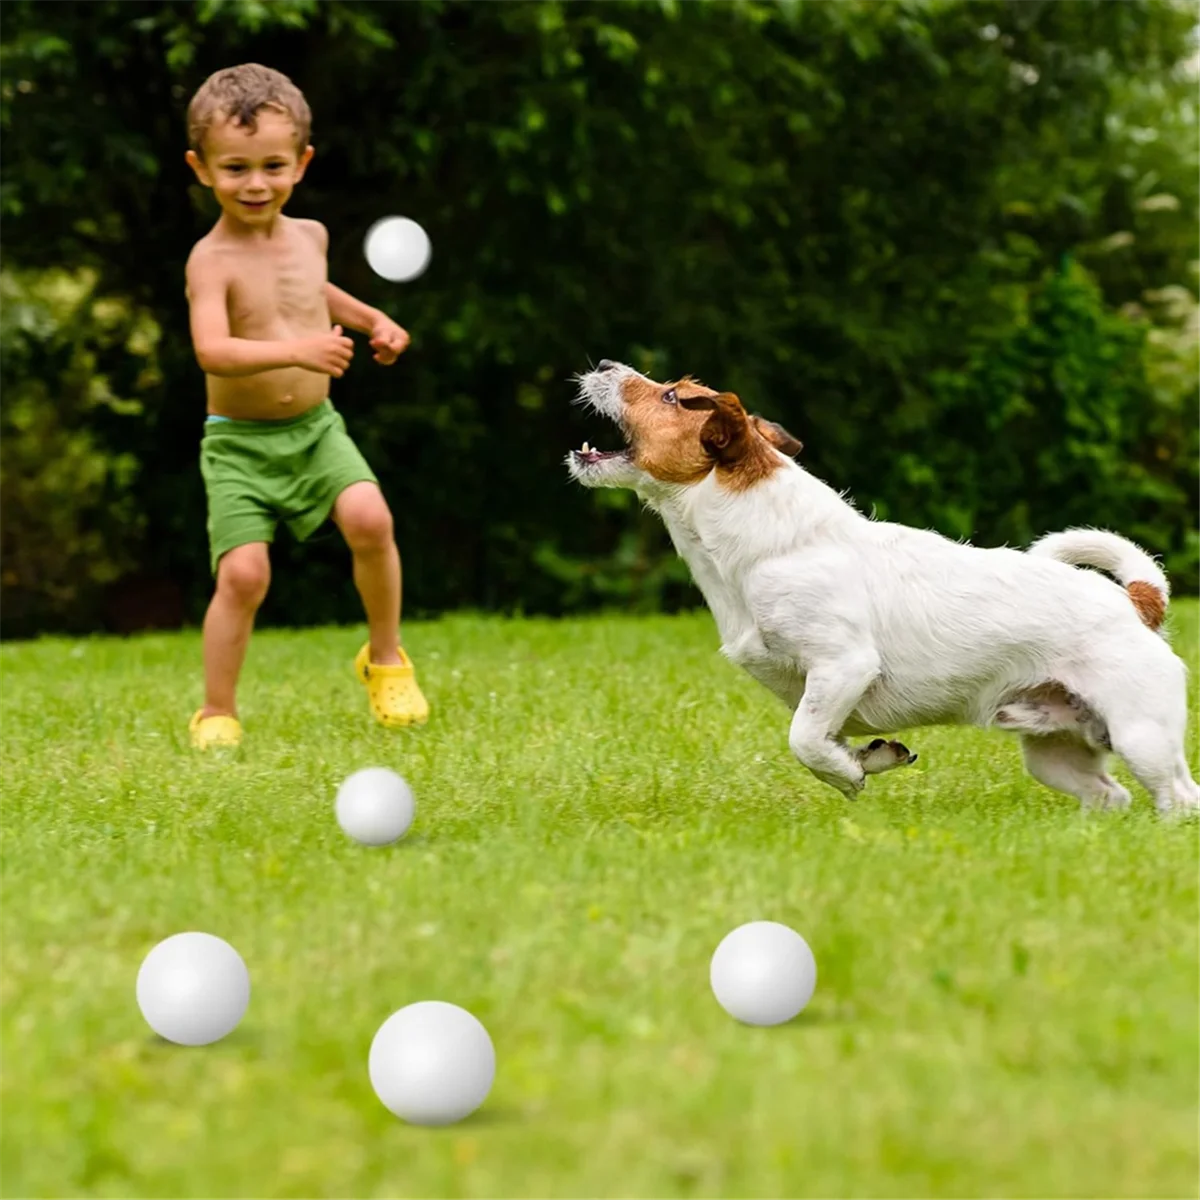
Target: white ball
432,1063
397,248
375,806
193,989
763,973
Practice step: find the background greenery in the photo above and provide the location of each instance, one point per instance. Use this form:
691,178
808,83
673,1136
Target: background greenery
951,245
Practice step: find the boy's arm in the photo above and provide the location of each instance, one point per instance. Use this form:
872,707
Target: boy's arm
388,339
218,353
345,310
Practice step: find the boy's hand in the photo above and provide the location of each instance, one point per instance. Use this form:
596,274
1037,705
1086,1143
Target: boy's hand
388,340
327,353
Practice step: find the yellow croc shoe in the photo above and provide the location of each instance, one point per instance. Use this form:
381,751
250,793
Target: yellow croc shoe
392,690
219,732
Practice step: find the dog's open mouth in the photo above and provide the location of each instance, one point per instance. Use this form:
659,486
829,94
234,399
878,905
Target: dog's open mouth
588,456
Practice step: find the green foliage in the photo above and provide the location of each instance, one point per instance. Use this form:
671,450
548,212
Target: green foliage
71,522
850,213
1057,408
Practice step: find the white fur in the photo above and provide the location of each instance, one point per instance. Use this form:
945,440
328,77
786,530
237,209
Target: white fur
1096,548
863,626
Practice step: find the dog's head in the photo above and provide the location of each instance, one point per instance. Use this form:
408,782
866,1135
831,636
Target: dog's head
677,434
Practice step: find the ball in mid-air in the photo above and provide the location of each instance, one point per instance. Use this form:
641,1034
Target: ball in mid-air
432,1063
375,806
193,989
763,973
397,248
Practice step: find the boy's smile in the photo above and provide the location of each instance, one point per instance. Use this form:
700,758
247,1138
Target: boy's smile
251,173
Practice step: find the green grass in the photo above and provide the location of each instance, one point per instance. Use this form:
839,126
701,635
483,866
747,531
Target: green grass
1007,997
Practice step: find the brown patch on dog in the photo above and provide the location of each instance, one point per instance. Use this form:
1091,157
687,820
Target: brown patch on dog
777,436
1150,603
735,441
665,436
681,431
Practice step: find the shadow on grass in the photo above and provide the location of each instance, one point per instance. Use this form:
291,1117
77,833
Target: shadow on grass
487,1117
484,1118
407,844
239,1040
821,1018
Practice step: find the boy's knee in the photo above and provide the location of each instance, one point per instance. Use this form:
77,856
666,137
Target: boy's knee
245,576
369,526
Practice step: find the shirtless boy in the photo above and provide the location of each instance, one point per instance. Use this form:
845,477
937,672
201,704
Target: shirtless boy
263,326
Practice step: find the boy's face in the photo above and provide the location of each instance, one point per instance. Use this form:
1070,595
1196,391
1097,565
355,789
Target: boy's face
252,174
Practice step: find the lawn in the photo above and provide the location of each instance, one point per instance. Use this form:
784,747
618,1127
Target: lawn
1008,989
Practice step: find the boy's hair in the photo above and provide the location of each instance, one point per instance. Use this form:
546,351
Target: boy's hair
240,94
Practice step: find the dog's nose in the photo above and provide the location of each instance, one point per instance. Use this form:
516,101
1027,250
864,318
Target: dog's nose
605,364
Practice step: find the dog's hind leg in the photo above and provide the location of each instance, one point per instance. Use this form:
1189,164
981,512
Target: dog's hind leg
1186,790
832,691
1147,721
1066,764
1155,756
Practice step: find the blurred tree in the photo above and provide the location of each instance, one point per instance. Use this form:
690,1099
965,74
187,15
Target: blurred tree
854,214
71,523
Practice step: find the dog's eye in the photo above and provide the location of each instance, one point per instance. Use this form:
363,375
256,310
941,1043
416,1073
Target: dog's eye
670,397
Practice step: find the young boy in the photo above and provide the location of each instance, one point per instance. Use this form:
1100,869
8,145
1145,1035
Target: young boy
274,448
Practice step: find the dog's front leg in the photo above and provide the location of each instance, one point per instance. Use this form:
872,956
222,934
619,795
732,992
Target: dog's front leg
832,691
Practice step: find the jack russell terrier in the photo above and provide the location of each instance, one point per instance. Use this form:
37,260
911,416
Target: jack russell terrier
862,627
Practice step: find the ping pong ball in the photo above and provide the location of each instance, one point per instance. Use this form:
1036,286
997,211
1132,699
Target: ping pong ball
432,1063
763,973
375,806
397,248
193,989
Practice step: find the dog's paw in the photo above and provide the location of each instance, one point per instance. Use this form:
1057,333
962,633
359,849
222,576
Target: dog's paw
851,788
1180,812
1112,796
881,755
849,785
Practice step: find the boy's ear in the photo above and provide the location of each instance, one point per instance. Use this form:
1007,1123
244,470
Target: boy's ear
305,159
197,164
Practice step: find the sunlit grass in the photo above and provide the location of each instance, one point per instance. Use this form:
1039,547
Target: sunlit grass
1007,1000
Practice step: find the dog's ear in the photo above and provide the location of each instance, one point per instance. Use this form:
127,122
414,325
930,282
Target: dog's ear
725,433
778,436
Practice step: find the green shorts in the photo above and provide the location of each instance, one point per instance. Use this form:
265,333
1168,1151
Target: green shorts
258,473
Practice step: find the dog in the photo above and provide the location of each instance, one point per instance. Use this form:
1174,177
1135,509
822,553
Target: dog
862,627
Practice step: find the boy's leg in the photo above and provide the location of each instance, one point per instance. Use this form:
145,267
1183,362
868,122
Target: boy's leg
362,514
241,523
243,576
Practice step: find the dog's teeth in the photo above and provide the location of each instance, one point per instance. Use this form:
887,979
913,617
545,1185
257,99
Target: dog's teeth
586,448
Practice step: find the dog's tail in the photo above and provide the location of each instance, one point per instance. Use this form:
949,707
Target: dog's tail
1133,568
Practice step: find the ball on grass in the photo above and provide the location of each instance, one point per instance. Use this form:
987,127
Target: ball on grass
375,806
432,1063
397,248
763,973
193,989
